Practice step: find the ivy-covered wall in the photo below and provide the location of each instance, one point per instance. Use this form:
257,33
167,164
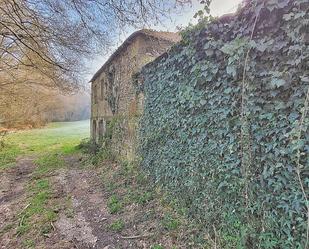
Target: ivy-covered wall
225,126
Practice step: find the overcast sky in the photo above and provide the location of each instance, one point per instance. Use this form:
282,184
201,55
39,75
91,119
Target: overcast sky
218,8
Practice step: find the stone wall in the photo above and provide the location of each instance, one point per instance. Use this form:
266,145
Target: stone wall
113,93
224,127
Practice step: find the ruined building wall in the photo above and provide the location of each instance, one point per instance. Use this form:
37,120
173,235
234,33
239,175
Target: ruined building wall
114,98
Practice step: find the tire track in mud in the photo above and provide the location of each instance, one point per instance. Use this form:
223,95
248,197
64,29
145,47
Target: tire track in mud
13,196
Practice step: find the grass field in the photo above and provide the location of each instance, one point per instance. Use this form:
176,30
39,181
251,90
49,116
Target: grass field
46,150
62,137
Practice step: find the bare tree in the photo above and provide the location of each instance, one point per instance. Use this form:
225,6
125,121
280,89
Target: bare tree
44,43
56,35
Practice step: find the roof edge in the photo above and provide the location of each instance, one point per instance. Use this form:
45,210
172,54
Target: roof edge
147,32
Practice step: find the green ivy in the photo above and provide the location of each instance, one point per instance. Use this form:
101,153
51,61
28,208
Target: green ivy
190,132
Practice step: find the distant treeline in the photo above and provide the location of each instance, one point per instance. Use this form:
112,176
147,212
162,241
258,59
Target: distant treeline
34,107
71,108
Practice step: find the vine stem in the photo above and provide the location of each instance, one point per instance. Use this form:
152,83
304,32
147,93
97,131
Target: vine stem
298,165
243,92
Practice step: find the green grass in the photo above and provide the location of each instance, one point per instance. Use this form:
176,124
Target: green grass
114,205
29,243
117,226
135,200
61,137
48,145
37,217
143,198
138,196
37,214
156,247
48,163
170,222
8,155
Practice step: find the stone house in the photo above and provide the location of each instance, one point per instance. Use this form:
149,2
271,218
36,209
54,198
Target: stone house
112,85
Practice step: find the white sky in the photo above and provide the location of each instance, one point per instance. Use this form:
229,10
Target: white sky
218,8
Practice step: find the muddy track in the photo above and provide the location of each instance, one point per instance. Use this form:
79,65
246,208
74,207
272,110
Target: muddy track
83,220
86,226
13,183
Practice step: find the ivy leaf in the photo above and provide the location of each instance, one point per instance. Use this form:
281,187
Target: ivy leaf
198,14
203,102
276,82
228,90
293,116
263,45
222,184
275,4
180,106
234,46
231,70
288,17
304,78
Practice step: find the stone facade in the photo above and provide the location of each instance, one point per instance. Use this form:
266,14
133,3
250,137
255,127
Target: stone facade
112,88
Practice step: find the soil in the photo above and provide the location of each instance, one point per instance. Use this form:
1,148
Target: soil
83,219
12,198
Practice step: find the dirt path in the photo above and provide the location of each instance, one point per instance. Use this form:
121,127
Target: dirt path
12,198
82,218
85,226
